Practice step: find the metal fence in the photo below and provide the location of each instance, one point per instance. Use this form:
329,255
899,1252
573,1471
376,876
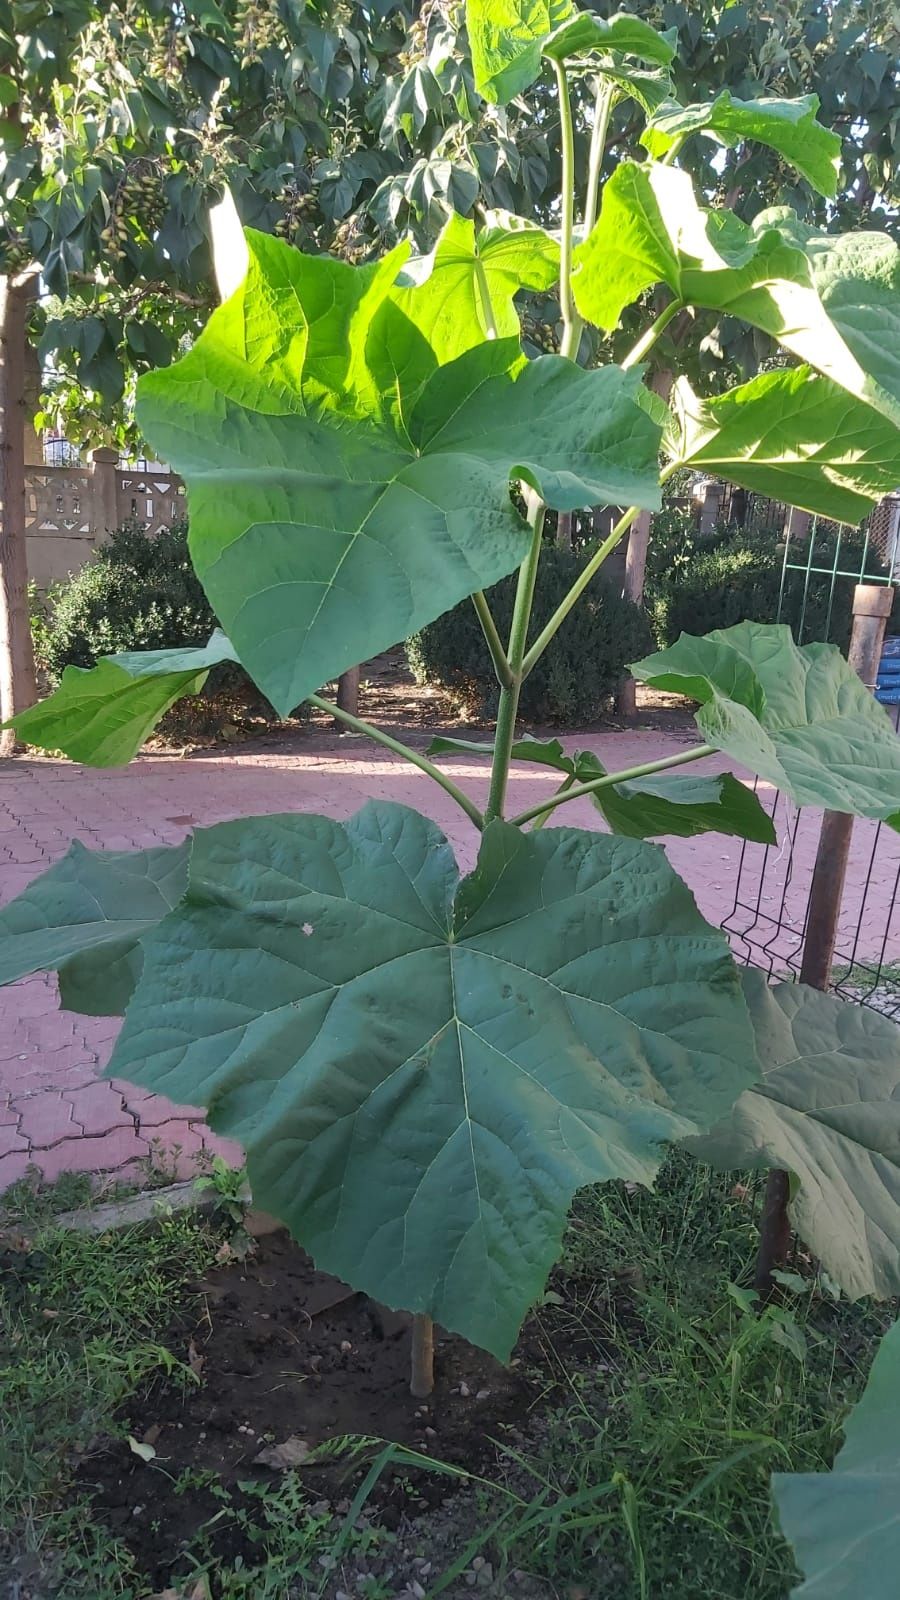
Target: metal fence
767,920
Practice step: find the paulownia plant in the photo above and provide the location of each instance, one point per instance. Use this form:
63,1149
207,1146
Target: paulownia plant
424,1068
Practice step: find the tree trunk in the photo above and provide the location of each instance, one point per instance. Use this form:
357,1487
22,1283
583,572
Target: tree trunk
18,687
564,530
348,693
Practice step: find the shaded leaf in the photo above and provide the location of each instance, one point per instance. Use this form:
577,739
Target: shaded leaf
84,918
101,715
843,1524
791,436
684,806
348,478
788,126
797,716
827,1109
410,1061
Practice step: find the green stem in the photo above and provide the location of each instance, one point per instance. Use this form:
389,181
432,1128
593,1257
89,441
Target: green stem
648,339
552,627
564,788
603,105
673,151
493,640
581,582
572,323
404,750
484,294
644,771
504,737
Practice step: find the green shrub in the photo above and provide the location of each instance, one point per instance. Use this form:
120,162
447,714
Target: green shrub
741,576
572,679
138,593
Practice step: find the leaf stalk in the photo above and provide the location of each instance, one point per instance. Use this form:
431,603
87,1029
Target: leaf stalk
563,795
505,734
404,750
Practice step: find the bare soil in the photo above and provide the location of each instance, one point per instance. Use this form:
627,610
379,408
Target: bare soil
285,1353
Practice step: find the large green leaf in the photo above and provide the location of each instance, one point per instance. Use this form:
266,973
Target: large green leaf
670,804
827,1108
348,480
623,34
505,37
788,126
833,301
422,1072
101,715
844,1524
509,37
465,289
798,716
792,436
83,919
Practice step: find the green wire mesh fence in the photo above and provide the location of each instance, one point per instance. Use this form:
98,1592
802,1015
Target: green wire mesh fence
822,564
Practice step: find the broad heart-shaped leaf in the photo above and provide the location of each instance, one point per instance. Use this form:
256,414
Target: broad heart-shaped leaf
471,279
505,37
793,436
84,917
833,301
796,715
843,1524
788,126
623,34
670,804
101,715
422,1072
509,37
347,481
827,1108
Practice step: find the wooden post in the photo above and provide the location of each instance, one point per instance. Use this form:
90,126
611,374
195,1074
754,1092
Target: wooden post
872,604
635,567
18,685
348,693
564,529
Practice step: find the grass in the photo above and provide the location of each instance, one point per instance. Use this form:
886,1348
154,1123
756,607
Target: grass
642,1473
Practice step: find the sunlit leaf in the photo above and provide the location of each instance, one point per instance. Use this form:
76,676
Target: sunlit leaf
348,472
505,37
465,289
792,436
623,34
833,301
422,1072
798,716
788,126
843,1524
101,715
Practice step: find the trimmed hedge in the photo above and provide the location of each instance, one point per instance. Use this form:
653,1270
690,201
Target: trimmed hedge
740,576
137,593
573,678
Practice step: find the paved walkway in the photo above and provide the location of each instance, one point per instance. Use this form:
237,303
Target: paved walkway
56,1114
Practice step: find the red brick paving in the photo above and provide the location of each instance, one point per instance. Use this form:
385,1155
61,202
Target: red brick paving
56,1114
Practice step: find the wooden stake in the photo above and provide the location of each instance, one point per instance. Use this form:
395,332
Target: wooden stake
421,1383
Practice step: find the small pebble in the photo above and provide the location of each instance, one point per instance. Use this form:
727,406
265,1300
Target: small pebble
464,1390
346,1346
482,1394
431,1433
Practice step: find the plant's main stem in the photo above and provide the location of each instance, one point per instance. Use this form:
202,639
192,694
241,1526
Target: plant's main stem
572,322
505,734
644,771
421,1379
404,750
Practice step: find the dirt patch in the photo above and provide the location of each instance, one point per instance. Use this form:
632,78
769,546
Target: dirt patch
286,1354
